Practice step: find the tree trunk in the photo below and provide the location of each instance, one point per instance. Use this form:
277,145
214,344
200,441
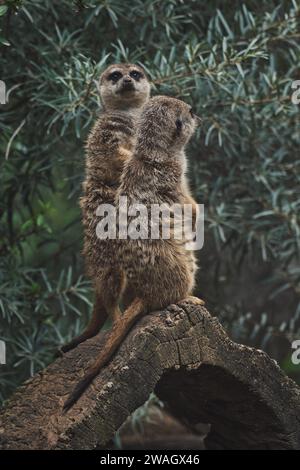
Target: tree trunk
185,356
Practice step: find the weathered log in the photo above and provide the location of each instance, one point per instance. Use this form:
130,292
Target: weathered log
185,356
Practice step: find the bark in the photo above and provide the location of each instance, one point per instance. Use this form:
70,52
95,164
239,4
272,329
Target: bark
185,356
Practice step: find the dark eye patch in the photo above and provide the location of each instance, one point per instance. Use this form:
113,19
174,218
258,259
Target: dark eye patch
136,74
178,123
115,76
191,112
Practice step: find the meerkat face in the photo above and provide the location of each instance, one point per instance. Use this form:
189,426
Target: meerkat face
171,119
183,116
124,86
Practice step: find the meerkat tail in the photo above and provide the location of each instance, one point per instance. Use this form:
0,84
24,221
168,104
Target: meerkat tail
98,319
115,338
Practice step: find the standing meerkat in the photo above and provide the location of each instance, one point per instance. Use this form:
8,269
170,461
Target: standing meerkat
124,89
157,272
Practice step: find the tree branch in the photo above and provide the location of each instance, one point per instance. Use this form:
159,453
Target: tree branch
185,356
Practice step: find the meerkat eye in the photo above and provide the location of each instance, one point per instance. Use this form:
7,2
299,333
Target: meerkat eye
115,76
178,125
136,74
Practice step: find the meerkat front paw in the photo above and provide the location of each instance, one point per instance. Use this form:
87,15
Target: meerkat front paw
125,153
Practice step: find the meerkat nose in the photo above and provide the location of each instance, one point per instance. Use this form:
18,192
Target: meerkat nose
198,119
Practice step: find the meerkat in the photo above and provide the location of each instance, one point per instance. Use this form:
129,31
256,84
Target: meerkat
157,272
124,89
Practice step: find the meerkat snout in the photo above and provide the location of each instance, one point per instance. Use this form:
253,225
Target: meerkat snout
124,85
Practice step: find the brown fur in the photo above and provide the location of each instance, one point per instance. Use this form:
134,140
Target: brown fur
155,272
108,147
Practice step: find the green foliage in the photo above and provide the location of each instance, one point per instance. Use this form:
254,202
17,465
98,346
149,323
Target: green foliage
235,63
